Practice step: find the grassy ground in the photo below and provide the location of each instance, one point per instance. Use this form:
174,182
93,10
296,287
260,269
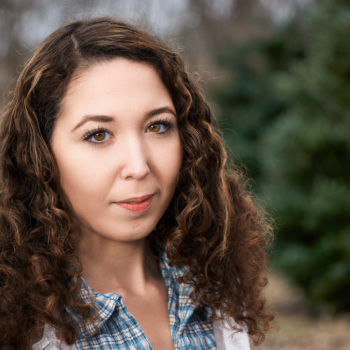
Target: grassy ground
295,329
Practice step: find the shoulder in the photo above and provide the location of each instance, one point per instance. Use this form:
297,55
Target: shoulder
227,339
49,341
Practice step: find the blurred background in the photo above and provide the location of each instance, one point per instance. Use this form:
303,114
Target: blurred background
277,74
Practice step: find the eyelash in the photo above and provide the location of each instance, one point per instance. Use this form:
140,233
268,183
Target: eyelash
90,133
167,123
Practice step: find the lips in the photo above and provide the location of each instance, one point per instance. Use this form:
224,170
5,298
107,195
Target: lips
136,204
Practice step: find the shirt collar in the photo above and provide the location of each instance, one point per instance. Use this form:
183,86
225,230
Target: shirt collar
180,295
103,306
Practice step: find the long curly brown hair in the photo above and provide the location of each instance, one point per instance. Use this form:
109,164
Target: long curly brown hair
211,226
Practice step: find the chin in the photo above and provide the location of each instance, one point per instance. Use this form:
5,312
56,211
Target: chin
128,233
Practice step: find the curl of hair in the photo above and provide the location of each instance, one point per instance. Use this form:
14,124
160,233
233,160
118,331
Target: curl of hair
211,226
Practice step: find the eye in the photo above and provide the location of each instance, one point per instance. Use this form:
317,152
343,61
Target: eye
159,126
97,136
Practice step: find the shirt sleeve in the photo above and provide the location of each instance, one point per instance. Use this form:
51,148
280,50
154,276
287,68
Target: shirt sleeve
227,339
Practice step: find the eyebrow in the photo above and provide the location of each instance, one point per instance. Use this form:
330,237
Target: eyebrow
106,119
160,111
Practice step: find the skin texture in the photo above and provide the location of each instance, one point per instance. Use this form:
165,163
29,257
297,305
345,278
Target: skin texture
117,139
133,161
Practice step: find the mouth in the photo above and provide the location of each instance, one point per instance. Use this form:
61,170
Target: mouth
136,204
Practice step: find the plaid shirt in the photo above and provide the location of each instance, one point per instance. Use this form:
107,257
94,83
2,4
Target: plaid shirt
116,328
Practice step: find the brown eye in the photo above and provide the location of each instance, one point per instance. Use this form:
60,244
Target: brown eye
159,127
99,136
154,128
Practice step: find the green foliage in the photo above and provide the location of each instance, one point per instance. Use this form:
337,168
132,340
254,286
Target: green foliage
247,99
307,162
300,150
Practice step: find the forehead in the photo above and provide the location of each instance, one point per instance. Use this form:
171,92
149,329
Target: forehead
100,73
119,87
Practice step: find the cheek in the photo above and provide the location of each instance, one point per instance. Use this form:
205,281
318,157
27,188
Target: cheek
170,162
79,177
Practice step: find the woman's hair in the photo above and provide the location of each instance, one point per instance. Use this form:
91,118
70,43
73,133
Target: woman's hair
211,227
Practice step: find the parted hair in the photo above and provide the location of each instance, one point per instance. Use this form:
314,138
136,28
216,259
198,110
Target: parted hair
211,226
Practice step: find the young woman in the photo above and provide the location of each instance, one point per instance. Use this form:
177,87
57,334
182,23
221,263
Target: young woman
121,225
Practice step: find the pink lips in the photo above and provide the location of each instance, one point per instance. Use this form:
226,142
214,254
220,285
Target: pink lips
137,204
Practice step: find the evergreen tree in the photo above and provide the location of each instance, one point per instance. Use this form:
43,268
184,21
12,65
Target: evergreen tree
307,164
247,100
285,112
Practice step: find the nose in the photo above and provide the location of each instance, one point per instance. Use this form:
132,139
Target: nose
136,160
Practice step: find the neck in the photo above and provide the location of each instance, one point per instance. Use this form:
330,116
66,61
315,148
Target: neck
118,267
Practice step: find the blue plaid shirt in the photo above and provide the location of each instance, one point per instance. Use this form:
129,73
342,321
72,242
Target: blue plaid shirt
116,328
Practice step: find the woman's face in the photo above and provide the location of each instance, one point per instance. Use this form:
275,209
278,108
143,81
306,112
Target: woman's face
117,146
